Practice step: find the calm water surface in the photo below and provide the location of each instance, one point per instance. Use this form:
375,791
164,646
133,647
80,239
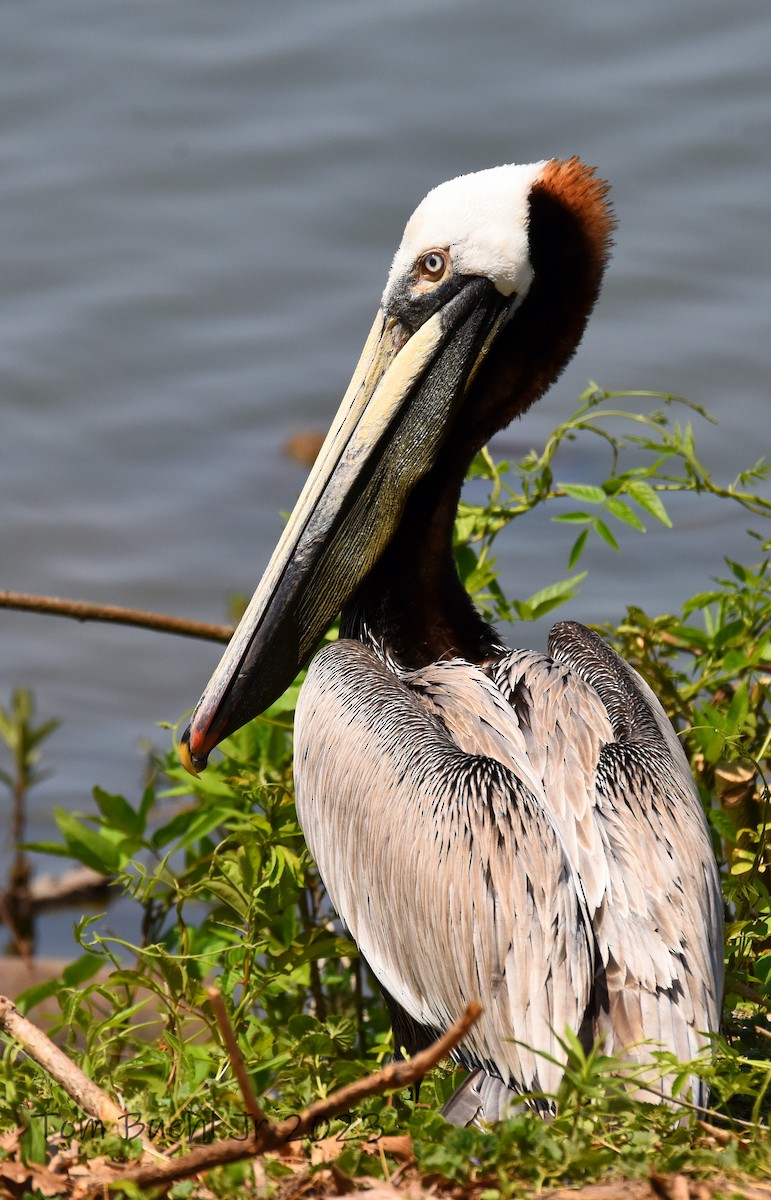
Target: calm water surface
198,207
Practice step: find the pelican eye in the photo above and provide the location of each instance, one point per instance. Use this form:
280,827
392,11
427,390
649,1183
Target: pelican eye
432,266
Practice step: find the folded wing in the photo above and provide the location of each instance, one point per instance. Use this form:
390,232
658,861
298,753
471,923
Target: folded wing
445,867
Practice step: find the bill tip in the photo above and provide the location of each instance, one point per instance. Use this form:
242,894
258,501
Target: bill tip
193,763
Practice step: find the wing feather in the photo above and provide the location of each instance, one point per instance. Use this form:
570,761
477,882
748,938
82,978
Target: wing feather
444,865
597,750
503,834
659,922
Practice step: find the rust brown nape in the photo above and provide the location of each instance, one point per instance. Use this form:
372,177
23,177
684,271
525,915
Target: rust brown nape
578,188
570,236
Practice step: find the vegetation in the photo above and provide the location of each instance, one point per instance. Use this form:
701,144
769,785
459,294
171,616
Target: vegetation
226,894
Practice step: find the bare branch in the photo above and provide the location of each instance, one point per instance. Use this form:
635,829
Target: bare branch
83,610
236,1060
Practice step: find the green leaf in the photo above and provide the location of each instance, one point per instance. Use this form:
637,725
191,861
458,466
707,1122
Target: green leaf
584,491
32,996
578,548
87,845
649,500
32,1143
601,528
83,968
720,821
54,848
286,703
729,631
574,518
187,825
622,512
550,597
692,636
118,813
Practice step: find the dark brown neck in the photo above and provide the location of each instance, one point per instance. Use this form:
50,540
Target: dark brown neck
412,603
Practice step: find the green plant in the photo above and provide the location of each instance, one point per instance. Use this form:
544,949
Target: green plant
226,893
23,740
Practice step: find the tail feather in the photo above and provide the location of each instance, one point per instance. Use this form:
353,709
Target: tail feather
480,1100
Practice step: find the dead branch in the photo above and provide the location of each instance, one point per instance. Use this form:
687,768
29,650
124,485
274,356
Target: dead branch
79,883
236,1060
84,610
273,1136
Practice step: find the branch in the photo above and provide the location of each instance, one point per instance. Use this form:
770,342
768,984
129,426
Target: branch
79,883
273,1136
83,610
236,1060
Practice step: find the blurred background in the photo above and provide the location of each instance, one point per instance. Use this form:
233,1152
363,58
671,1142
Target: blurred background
199,202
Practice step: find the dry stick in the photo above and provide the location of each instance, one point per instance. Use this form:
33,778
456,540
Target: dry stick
274,1136
236,1060
83,610
86,1094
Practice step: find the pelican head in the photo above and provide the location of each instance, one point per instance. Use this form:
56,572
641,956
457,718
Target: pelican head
485,302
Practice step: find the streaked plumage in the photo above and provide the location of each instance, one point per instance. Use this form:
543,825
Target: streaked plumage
490,824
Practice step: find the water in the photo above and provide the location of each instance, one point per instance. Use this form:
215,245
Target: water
198,205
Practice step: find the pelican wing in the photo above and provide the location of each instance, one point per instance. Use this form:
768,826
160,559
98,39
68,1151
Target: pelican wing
444,865
618,785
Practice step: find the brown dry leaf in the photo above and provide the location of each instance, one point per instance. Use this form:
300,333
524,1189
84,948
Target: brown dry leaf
380,1190
397,1145
722,1136
663,1187
14,1172
34,1178
63,1161
97,1166
618,1189
326,1150
292,1187
291,1155
735,784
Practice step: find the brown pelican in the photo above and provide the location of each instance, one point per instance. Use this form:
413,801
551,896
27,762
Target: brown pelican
490,824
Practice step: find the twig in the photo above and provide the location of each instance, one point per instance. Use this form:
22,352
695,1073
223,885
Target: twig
84,610
747,993
236,1059
319,1005
723,1137
86,1094
274,1136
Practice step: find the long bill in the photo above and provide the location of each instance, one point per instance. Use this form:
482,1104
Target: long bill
404,394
